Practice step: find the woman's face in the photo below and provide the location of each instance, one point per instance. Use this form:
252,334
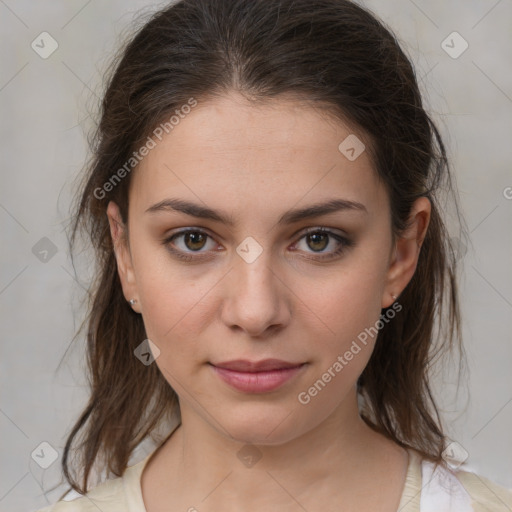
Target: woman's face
223,268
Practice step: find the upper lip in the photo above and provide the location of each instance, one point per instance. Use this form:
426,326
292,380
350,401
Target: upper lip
244,365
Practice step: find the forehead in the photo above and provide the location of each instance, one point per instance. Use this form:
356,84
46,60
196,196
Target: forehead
279,151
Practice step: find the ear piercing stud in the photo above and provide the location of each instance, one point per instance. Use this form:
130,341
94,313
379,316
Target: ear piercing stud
393,297
132,302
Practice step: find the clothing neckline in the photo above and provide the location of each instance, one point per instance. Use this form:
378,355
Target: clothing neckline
409,501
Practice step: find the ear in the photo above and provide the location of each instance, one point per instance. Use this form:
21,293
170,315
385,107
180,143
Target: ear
407,251
122,253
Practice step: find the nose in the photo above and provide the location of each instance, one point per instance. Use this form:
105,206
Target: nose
256,300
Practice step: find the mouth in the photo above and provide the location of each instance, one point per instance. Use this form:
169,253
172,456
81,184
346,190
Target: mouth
257,376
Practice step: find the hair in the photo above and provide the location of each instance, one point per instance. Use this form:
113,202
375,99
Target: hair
334,54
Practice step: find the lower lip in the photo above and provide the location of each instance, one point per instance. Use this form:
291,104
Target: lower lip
257,382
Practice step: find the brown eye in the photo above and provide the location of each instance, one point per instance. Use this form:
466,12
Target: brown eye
185,243
318,241
194,240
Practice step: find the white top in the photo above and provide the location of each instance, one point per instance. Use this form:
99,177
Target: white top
426,489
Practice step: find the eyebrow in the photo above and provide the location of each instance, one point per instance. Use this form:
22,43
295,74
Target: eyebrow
290,217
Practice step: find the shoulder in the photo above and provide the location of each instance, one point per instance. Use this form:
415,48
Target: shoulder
445,488
485,494
120,494
107,496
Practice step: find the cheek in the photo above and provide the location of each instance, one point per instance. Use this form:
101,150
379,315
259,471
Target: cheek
175,302
172,315
350,309
350,299
349,306
171,308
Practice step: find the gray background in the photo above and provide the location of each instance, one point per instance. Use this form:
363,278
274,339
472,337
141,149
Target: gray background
45,106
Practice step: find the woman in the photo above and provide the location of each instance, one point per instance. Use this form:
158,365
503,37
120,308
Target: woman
272,262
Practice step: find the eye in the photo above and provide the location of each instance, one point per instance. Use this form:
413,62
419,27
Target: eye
189,241
320,239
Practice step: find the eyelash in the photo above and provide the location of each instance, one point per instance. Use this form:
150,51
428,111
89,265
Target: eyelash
344,242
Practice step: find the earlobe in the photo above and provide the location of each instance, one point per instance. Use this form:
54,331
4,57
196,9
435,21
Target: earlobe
122,253
406,251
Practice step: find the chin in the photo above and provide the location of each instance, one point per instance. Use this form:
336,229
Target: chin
261,425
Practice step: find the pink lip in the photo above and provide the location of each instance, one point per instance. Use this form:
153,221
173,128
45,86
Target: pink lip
257,377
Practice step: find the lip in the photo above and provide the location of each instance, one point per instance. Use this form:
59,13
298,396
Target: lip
244,365
257,376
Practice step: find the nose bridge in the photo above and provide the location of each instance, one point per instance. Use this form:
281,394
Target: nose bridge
255,299
256,273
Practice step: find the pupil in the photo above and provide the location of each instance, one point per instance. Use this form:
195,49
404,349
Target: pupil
193,237
315,238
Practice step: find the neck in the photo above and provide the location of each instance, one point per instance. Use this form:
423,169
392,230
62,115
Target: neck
341,455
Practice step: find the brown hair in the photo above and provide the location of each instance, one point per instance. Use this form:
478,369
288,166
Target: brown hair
333,53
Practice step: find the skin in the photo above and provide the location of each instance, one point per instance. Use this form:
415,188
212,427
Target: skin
254,163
